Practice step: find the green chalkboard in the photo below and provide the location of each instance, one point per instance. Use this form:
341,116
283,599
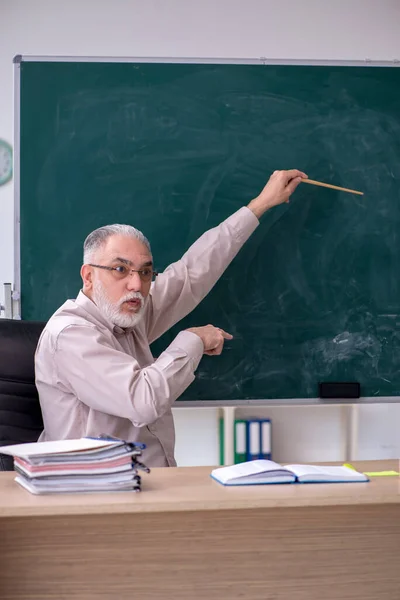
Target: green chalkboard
175,148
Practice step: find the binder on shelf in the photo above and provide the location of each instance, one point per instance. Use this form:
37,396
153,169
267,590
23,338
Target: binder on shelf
221,442
253,439
266,439
240,441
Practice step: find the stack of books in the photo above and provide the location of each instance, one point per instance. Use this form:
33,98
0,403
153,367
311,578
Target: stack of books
82,465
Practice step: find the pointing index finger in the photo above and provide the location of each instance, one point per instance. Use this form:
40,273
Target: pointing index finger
225,334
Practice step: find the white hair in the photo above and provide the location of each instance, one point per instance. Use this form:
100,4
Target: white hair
98,237
112,310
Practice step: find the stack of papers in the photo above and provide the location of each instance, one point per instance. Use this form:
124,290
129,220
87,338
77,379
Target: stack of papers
82,465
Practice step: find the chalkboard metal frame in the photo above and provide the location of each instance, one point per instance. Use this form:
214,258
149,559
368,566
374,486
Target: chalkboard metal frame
18,59
290,402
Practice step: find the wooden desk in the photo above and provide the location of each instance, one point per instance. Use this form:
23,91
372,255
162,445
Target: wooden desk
185,537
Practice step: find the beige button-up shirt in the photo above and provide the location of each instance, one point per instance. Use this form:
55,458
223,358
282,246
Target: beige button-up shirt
96,378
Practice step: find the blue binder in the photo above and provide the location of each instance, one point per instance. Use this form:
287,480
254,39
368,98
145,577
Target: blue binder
266,438
259,439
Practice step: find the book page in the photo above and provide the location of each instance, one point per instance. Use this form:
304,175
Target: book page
247,469
325,472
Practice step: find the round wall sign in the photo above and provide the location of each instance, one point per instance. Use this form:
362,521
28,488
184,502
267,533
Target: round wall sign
5,162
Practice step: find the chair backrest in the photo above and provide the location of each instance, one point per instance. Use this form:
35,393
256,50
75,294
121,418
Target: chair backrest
20,414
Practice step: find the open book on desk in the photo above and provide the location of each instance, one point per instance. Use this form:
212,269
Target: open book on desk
257,472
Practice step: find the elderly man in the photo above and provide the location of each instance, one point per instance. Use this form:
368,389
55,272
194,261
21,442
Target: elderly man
94,370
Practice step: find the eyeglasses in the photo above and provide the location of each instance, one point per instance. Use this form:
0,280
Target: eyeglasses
121,272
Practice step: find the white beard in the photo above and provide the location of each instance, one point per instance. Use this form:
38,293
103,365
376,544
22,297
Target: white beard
112,311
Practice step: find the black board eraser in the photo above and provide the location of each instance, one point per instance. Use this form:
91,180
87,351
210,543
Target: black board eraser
339,389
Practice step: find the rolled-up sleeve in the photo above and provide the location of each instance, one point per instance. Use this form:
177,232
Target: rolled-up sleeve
111,381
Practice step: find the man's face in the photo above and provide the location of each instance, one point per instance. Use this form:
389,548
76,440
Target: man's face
120,295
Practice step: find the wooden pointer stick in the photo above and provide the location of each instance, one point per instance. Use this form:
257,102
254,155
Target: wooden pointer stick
334,187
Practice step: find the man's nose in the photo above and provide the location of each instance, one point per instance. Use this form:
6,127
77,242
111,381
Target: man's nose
134,283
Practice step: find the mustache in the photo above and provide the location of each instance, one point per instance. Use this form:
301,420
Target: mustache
131,296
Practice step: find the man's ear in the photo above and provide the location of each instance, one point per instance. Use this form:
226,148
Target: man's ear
87,277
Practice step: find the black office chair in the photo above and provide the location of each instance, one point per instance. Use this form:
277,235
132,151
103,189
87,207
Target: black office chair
20,415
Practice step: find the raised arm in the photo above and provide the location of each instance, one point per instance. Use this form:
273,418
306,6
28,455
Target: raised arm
185,283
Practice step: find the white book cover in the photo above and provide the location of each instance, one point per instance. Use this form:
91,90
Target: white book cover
58,447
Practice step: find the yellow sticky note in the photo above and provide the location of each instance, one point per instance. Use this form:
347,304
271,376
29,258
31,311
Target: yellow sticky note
349,466
382,474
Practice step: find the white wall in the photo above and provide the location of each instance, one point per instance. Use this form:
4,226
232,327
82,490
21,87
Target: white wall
307,29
